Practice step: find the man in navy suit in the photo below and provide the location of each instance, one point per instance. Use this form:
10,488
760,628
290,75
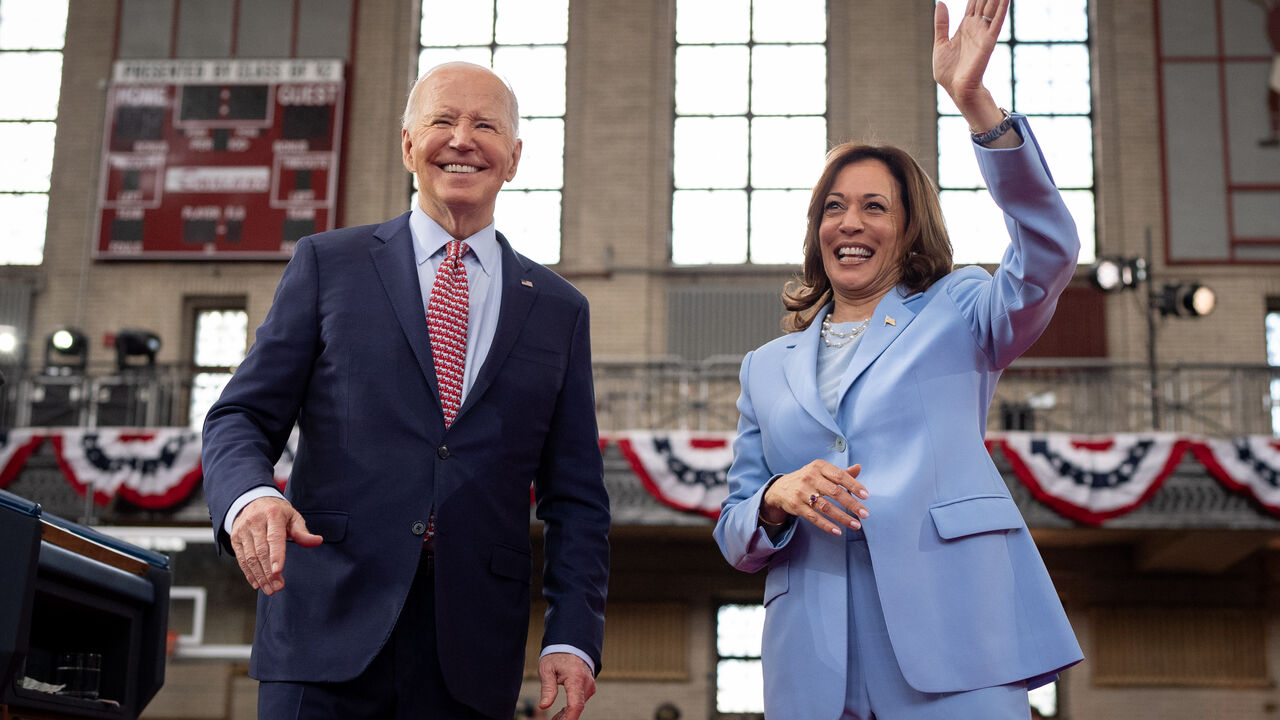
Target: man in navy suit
406,591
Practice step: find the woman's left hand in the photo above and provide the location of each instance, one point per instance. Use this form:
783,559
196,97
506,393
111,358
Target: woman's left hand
960,61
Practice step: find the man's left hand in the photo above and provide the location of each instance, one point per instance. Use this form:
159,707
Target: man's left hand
570,671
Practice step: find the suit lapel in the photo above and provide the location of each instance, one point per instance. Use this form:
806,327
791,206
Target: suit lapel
892,315
517,300
394,262
800,367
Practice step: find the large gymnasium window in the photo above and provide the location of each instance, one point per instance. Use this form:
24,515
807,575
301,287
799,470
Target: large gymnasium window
220,343
1040,68
739,681
32,33
750,128
524,42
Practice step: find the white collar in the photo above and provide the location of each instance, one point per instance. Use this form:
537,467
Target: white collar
429,238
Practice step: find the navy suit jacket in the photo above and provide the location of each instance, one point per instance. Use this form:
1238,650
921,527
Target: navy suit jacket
345,353
966,597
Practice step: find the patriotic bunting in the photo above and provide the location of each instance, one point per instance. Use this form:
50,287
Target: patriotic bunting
154,468
151,468
1092,479
683,471
15,447
1245,464
1088,479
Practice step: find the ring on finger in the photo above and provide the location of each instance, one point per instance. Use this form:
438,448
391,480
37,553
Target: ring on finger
984,17
813,499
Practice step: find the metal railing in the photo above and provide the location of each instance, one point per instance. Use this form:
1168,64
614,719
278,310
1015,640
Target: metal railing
1090,397
1078,396
153,396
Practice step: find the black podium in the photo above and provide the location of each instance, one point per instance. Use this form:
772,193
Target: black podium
68,591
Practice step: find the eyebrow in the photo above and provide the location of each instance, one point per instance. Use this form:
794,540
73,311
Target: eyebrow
454,113
840,195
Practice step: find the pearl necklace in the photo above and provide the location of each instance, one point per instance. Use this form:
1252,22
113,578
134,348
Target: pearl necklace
841,338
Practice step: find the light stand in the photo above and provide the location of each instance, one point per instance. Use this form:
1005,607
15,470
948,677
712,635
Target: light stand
1183,299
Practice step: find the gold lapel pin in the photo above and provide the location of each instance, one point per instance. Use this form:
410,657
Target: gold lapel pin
527,283
890,321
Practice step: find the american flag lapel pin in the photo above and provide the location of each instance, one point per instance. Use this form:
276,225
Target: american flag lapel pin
890,321
527,283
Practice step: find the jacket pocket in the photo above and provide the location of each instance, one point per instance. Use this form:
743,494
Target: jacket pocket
975,514
511,563
777,582
532,353
328,524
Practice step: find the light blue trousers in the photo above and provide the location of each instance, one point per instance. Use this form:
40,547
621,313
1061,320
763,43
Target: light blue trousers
877,690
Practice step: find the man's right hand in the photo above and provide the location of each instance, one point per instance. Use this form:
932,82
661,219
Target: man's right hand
258,536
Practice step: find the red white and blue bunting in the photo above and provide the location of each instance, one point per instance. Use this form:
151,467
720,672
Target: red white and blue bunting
15,447
1089,479
153,468
1245,464
685,471
1092,479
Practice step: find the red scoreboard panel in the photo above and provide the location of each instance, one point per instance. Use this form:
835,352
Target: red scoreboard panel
218,159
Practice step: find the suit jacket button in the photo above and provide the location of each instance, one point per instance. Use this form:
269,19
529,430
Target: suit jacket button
840,444
419,528
443,451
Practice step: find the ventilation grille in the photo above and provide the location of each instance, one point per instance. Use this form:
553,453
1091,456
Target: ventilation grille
703,322
1180,646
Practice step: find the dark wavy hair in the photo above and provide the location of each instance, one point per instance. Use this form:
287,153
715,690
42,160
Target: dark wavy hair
927,248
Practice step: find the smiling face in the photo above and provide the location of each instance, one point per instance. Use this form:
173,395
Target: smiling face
460,141
861,236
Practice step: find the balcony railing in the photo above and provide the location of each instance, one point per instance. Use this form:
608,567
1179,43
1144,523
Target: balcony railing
1086,397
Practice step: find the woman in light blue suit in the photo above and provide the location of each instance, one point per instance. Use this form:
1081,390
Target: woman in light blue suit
907,586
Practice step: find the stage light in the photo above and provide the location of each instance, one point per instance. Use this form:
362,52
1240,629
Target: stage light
136,343
65,341
8,341
66,350
1186,299
1203,300
1114,274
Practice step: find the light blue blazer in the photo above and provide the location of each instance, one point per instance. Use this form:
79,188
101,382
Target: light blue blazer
966,597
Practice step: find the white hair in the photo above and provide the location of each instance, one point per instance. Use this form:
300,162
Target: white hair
411,105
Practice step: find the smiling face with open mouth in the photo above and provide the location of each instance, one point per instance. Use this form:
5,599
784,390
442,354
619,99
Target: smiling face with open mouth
861,237
462,146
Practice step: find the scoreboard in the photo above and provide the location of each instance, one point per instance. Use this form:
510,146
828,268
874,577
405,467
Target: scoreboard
218,159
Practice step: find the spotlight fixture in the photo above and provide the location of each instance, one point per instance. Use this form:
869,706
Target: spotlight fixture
8,342
1185,299
1114,274
136,343
66,350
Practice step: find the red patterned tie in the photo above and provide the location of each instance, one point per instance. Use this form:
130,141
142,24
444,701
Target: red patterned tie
447,320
